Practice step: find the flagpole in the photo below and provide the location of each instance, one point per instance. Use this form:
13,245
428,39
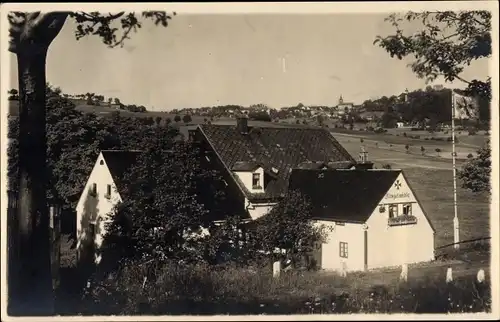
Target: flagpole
456,226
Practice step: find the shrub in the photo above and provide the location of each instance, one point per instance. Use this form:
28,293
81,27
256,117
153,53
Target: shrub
172,288
470,156
386,166
472,132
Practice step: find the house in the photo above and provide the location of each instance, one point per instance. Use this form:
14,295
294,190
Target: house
373,216
371,115
256,162
103,190
344,107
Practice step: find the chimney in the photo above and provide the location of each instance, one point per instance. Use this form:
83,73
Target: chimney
242,124
363,163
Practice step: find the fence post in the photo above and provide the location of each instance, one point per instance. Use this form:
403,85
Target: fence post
480,276
343,270
404,272
276,269
449,275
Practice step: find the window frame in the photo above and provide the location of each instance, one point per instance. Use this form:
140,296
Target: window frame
93,189
407,206
258,185
393,214
108,191
343,250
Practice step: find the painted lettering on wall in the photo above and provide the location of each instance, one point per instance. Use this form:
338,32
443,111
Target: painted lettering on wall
399,195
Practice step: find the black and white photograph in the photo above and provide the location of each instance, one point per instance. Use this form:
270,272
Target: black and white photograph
256,161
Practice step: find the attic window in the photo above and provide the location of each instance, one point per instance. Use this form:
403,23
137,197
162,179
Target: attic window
101,162
256,181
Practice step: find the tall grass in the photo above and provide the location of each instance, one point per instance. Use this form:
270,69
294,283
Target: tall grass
170,289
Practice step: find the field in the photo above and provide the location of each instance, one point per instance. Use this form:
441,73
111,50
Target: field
432,179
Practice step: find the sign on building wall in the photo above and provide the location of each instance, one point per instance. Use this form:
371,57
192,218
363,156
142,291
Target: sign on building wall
399,192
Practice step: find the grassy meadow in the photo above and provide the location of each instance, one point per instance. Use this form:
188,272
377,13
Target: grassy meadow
432,180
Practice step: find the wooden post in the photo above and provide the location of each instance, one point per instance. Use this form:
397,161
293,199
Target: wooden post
343,271
449,275
276,269
480,276
404,273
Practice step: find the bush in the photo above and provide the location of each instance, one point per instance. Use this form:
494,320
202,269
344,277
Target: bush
172,288
380,130
470,156
386,166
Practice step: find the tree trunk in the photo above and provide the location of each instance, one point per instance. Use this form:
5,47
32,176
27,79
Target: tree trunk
36,295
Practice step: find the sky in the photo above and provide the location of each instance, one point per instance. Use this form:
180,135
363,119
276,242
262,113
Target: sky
207,59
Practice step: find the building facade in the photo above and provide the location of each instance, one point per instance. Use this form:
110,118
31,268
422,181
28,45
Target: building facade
373,219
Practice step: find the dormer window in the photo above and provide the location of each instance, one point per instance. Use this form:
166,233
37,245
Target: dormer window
256,181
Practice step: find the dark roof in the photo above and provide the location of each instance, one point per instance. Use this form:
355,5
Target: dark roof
245,166
119,162
282,148
343,195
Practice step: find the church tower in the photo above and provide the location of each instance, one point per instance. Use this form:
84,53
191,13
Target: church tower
341,100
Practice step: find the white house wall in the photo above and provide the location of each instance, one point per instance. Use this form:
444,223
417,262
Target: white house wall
89,208
246,178
257,210
328,255
396,245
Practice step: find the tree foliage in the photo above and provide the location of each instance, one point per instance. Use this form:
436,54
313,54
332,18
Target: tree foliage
288,227
448,42
74,140
170,197
476,173
187,118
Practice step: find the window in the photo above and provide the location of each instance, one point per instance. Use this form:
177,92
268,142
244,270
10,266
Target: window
93,189
108,191
407,209
393,211
343,250
256,181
